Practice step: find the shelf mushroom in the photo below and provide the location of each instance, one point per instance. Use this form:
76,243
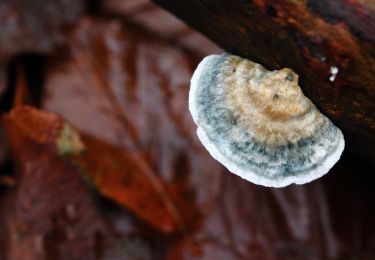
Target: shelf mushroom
258,123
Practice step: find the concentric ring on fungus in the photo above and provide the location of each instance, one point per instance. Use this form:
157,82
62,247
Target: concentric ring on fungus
258,123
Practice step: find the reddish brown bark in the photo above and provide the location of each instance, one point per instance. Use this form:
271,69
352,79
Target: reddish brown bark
310,37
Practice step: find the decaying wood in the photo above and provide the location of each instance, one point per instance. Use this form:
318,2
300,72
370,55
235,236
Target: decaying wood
314,38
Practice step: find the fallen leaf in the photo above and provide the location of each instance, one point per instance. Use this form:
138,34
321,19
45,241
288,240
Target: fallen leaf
130,90
50,213
123,177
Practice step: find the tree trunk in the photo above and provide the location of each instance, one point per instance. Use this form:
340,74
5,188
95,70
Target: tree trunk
329,43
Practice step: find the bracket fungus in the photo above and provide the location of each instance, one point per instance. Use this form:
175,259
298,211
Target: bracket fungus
258,123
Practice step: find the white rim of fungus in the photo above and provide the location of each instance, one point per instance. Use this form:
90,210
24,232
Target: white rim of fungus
279,183
248,175
194,86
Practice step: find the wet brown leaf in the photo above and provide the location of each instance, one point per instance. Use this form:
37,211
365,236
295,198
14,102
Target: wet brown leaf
130,90
50,213
123,177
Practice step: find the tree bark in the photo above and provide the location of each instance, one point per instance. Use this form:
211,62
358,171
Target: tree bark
313,37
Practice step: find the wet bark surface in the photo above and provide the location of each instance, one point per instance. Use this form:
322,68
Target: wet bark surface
314,38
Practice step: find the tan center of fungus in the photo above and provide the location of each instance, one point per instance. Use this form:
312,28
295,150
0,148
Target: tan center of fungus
270,105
